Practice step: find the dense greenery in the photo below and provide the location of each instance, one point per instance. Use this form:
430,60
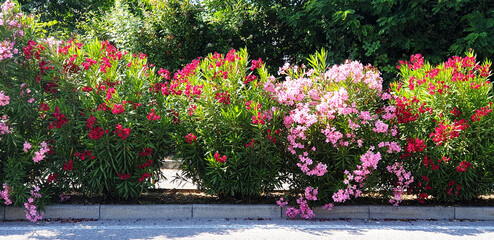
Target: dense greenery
379,32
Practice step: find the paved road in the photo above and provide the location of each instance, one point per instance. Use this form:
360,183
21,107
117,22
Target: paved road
247,229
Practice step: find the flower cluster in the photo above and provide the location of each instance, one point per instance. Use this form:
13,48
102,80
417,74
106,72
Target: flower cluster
369,163
123,176
68,166
223,97
88,63
60,119
219,158
415,145
52,178
249,79
143,177
5,195
118,109
145,165
483,111
153,116
40,155
404,180
4,99
416,62
94,132
84,155
304,209
4,128
256,64
146,152
250,144
259,119
443,132
7,50
32,213
464,165
122,132
189,138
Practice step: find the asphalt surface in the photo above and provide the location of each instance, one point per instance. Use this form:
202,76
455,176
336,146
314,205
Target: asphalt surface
246,229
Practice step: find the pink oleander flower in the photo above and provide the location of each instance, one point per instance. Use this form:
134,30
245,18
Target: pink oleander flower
27,146
404,181
281,202
5,194
380,127
7,50
40,155
311,193
328,206
4,99
7,5
32,213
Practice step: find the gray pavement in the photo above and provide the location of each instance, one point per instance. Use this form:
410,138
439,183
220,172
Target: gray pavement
247,229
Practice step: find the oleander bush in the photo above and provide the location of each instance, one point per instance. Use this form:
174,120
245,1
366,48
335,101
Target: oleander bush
76,117
340,131
228,130
444,114
105,107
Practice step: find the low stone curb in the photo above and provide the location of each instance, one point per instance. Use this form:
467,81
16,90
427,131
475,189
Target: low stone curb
231,211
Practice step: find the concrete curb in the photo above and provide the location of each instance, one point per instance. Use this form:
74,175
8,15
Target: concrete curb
236,211
407,212
211,211
145,211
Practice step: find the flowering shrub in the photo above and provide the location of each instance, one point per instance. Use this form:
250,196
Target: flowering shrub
339,131
444,113
117,130
23,149
228,131
75,116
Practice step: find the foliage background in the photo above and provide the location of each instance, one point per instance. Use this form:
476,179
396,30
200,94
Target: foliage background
379,32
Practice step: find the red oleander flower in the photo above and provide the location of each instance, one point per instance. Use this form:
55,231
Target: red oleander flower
146,152
189,138
404,110
249,79
219,158
422,197
153,116
60,119
69,166
416,145
118,108
90,122
256,64
122,132
464,166
143,177
52,178
259,119
124,176
146,164
96,133
223,97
